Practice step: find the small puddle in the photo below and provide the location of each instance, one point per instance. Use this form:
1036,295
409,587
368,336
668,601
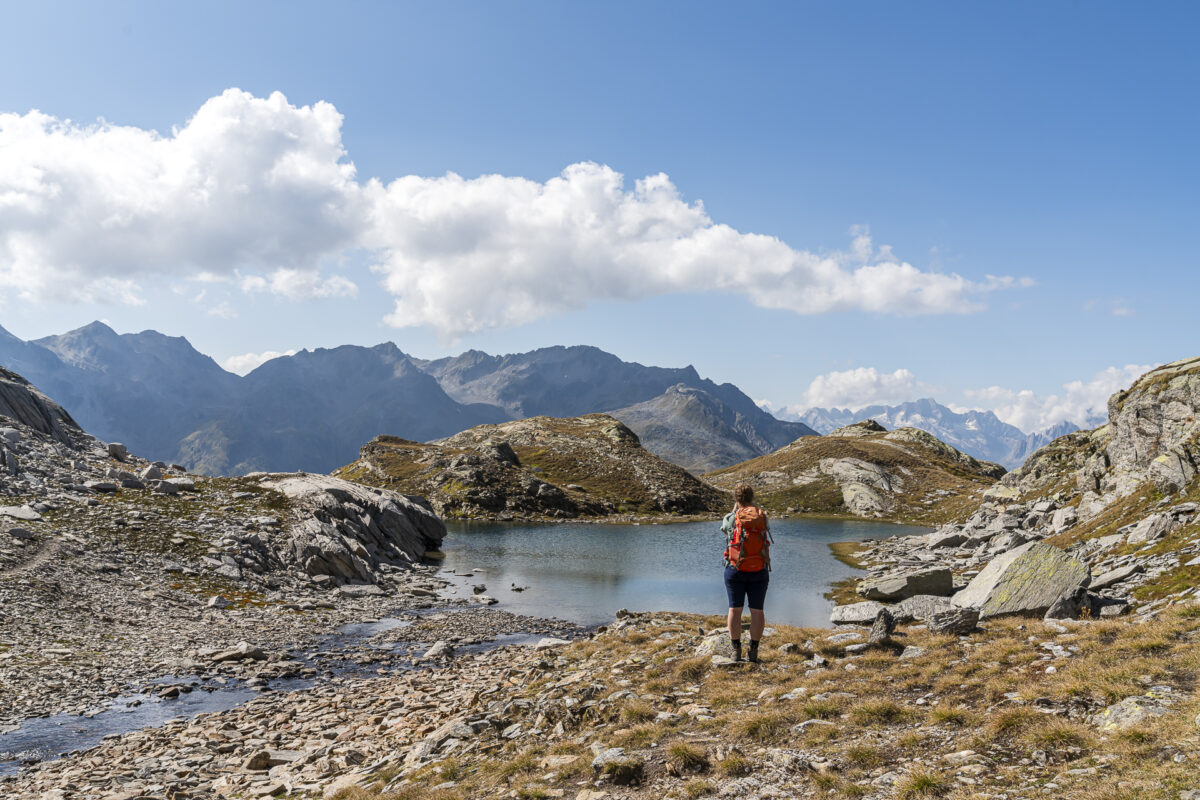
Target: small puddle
50,738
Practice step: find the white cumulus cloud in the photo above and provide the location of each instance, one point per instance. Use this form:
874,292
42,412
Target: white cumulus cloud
464,255
1084,403
261,194
248,183
248,362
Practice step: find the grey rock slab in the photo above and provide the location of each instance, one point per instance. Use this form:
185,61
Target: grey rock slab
1151,529
946,538
1023,581
243,651
549,643
1132,711
899,585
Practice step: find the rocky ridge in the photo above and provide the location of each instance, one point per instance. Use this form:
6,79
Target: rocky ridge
865,470
543,467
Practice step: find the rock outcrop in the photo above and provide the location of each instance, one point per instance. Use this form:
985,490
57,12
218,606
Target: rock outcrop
867,471
346,532
588,466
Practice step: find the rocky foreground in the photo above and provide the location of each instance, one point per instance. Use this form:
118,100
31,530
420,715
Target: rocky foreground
650,708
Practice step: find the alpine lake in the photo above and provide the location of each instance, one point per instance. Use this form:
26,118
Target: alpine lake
585,572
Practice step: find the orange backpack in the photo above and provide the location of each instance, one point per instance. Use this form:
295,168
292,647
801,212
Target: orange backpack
749,548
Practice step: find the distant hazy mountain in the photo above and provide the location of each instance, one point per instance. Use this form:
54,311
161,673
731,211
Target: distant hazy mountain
144,389
313,410
690,427
978,433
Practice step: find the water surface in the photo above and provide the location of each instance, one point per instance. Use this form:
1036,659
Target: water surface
584,572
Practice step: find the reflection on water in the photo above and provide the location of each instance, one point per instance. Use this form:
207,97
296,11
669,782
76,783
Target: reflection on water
584,572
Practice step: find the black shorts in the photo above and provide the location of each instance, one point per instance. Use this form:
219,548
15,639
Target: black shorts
741,586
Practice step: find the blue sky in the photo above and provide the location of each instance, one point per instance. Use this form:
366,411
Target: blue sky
1050,144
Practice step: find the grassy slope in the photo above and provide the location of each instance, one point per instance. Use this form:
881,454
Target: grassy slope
922,470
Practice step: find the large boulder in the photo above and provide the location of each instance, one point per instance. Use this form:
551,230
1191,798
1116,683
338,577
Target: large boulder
1025,581
899,585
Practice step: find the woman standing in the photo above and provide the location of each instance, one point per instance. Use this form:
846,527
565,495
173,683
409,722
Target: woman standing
747,568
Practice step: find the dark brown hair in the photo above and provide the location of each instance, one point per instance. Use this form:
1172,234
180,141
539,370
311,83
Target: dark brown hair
743,495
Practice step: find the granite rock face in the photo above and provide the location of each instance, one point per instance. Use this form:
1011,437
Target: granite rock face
1024,581
1155,430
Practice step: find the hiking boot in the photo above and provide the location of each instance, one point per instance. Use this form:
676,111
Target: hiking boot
737,649
752,656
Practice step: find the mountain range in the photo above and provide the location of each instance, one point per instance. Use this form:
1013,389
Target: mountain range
314,409
979,433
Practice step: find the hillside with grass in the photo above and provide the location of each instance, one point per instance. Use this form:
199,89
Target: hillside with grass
864,470
543,467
